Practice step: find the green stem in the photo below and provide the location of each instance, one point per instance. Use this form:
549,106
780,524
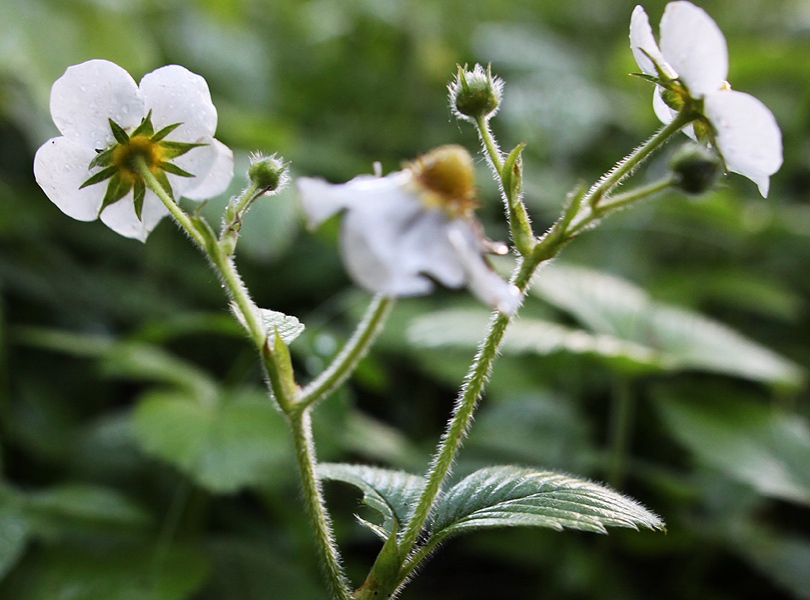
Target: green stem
301,428
616,202
481,367
462,416
181,217
279,375
493,153
354,350
603,187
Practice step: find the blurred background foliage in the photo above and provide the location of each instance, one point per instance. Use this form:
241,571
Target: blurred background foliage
665,352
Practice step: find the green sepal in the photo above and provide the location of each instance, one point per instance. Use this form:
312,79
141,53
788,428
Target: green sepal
103,158
160,175
102,175
116,189
383,578
175,149
662,76
145,128
139,189
164,132
284,364
512,172
174,169
118,132
646,77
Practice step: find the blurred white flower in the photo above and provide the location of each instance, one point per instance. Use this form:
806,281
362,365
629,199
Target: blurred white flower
108,122
690,68
402,231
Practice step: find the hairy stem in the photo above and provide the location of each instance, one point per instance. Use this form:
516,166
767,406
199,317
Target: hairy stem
354,350
301,428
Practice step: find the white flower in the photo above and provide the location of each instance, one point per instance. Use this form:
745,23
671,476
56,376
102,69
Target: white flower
691,67
402,231
108,121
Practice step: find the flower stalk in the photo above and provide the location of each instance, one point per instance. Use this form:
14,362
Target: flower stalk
278,369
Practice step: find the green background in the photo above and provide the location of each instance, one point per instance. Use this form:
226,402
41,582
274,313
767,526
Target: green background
140,459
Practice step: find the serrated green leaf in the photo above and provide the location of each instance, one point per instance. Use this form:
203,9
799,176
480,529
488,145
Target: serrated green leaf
509,496
683,339
391,493
287,326
465,327
765,448
238,441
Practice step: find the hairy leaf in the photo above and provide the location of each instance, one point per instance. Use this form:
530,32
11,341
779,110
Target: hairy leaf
391,493
509,496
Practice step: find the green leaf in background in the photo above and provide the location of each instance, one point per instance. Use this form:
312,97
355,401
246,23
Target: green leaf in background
509,496
784,558
391,493
127,573
463,327
744,439
15,529
237,441
77,507
685,340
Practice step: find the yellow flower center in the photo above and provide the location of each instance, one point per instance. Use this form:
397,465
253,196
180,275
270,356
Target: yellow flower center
446,177
125,156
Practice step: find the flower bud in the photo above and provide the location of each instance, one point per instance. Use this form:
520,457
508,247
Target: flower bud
268,173
695,169
475,94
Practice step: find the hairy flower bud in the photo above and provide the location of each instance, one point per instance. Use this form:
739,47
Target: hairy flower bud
475,94
268,173
695,169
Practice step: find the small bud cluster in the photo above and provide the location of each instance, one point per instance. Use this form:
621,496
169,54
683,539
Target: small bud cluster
475,94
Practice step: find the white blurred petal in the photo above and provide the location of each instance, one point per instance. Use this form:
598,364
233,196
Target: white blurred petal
642,43
694,46
60,168
372,243
212,167
664,113
90,93
176,95
747,135
485,283
121,218
321,199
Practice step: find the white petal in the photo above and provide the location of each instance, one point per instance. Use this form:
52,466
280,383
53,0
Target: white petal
664,113
176,95
485,283
642,43
320,199
748,136
88,94
372,244
60,168
121,218
424,247
694,46
212,167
